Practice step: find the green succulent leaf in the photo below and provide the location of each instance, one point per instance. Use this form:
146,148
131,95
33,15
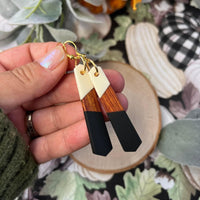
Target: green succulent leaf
95,45
179,141
31,34
7,9
193,114
123,20
6,29
25,35
34,7
39,33
120,32
139,187
68,185
8,42
46,12
182,189
61,35
81,13
114,55
22,3
141,14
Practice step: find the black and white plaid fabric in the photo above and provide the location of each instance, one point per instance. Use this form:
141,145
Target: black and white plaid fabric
180,37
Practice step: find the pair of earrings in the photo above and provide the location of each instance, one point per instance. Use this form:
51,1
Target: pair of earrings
94,87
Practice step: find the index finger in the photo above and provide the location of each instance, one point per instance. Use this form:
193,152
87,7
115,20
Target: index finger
21,55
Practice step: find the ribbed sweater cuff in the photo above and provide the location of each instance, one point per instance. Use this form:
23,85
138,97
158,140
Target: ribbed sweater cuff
18,169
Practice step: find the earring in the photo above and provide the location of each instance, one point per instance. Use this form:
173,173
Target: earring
99,138
94,87
119,119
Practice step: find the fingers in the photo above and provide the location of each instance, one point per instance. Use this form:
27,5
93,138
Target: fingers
2,69
64,141
30,52
123,100
60,143
32,80
62,129
66,91
54,118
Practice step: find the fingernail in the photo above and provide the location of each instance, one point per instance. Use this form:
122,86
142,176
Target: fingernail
53,58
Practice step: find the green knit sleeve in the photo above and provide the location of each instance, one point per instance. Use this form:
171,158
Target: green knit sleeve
18,169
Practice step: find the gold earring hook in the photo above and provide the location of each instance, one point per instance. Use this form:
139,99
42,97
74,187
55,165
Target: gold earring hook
65,49
86,61
69,41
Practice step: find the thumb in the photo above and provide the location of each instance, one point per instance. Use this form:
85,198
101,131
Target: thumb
32,80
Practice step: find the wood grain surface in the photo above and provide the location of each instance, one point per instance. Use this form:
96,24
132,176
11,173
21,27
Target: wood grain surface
90,102
110,101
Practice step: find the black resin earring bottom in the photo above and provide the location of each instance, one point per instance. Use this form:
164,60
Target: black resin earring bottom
120,121
126,133
99,137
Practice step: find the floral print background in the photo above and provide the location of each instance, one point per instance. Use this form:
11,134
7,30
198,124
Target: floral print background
172,170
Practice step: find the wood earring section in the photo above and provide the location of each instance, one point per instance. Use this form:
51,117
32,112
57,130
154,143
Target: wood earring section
99,137
126,133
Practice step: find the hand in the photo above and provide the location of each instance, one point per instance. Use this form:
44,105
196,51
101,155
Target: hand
33,78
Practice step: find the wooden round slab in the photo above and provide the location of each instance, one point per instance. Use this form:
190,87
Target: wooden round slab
144,112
